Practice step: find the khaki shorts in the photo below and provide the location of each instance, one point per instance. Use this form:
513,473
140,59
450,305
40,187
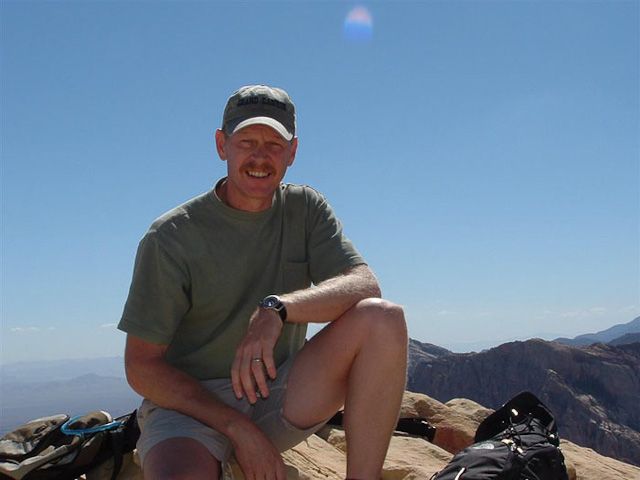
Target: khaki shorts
159,424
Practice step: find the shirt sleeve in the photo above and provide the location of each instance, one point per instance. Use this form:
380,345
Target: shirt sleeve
330,251
159,296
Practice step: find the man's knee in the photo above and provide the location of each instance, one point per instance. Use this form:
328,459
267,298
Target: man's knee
180,458
383,318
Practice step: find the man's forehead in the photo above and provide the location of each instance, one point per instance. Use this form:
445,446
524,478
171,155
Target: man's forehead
259,130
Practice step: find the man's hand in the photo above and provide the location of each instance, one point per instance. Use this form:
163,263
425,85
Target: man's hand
257,456
254,355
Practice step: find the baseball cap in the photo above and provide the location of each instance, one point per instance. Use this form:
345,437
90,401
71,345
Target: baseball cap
260,105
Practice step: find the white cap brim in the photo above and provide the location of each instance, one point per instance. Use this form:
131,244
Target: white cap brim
269,122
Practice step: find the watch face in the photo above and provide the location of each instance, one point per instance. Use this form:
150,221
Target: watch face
270,301
274,302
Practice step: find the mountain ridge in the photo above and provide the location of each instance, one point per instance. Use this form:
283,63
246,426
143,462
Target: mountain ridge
615,333
593,391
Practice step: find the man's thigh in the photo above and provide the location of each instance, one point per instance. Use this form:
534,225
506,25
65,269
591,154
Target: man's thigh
317,385
268,414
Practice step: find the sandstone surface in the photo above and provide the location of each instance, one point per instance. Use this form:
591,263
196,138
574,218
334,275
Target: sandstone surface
323,457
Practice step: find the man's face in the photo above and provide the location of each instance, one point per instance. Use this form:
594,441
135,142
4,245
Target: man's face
257,158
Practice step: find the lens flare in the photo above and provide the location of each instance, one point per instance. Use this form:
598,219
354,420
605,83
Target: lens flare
358,25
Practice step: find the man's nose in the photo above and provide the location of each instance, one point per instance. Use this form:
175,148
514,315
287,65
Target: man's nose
261,151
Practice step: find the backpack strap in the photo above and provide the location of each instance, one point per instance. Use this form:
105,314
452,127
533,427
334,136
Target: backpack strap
123,440
117,447
419,426
67,430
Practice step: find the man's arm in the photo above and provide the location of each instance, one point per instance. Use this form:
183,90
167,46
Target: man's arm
152,377
322,303
330,299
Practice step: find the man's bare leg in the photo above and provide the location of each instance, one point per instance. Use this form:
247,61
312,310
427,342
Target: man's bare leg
358,361
180,458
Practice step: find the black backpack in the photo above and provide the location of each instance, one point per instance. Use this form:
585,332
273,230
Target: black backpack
62,448
519,441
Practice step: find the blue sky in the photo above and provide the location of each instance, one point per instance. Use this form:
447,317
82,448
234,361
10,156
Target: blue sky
483,156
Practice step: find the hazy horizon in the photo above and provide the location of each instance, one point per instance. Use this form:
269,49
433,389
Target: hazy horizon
462,347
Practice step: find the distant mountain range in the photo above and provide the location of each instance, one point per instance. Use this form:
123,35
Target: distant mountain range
60,370
616,335
37,389
594,391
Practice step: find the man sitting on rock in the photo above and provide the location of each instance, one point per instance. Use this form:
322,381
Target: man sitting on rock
217,312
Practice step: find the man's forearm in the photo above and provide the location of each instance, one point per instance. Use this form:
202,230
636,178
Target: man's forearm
330,299
170,388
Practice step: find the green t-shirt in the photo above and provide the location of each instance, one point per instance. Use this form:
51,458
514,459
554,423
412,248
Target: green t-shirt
202,268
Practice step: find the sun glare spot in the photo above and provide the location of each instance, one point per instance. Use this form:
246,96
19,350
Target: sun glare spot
358,25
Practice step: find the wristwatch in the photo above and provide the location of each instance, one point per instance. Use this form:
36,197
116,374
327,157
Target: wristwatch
273,302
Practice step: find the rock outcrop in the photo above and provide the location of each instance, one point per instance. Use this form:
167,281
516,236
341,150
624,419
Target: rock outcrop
322,456
594,392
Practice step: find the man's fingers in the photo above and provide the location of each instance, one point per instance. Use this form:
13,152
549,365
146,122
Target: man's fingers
236,384
247,378
242,376
257,368
269,363
267,471
254,362
258,458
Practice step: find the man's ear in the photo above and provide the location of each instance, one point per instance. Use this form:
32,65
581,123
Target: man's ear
221,139
294,148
